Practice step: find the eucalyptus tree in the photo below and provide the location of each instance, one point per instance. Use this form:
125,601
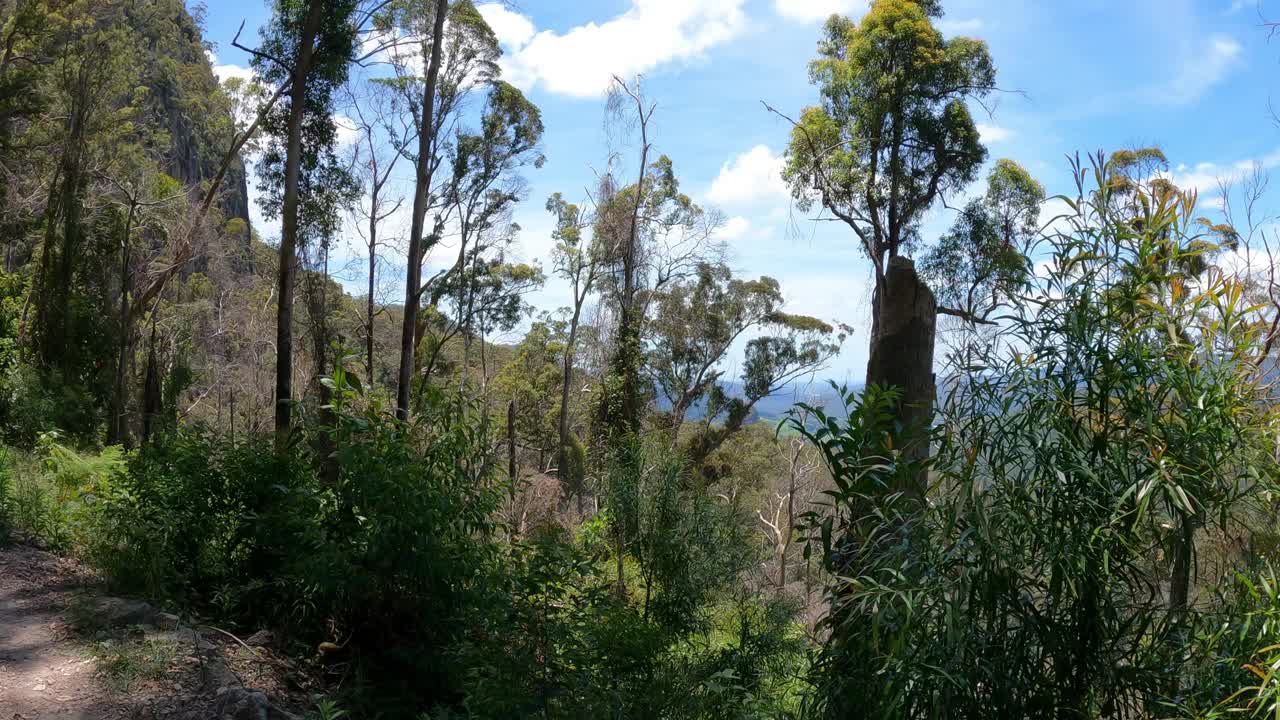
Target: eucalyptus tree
308,46
891,136
649,235
427,128
22,39
95,71
483,183
147,198
795,346
578,261
465,179
696,322
981,261
374,160
487,297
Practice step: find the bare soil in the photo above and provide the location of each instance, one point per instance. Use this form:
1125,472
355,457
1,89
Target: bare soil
48,670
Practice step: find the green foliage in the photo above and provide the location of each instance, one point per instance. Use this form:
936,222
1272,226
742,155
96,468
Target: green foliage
980,262
6,497
893,130
565,645
1083,448
393,555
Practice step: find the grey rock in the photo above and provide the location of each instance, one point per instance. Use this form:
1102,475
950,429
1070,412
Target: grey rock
262,638
214,673
237,703
167,621
120,611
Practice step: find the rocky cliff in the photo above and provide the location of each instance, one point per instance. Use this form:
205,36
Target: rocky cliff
185,103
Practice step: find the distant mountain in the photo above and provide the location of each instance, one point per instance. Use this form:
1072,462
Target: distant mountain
775,407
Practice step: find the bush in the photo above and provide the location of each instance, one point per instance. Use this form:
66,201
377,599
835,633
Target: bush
691,638
1086,449
384,563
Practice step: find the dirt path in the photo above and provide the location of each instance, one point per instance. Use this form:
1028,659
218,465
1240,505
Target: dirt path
47,671
42,673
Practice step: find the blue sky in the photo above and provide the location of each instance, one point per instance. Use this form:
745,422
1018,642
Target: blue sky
1195,77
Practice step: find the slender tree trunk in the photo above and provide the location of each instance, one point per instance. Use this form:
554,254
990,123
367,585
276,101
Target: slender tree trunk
1180,575
56,341
373,267
151,401
562,454
791,516
619,547
10,237
512,470
901,356
40,293
117,430
317,307
289,232
421,198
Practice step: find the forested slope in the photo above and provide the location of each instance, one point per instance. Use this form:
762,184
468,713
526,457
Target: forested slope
1053,498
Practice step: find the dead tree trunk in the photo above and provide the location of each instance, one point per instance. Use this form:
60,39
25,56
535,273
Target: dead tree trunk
902,342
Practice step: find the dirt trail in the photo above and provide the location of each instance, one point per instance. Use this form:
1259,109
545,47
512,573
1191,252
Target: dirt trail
44,674
47,672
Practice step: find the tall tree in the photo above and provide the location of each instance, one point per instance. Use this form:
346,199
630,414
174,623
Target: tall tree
140,192
95,72
373,164
577,261
428,129
308,46
467,179
891,136
483,184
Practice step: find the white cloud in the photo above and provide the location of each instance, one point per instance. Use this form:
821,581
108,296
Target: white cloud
994,133
1055,216
959,27
226,72
346,130
751,177
815,10
1236,6
734,228
582,61
512,28
1206,67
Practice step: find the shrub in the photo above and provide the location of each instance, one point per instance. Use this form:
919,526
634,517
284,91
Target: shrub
1085,449
385,562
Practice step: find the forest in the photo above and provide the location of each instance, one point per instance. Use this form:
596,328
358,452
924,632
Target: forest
1053,494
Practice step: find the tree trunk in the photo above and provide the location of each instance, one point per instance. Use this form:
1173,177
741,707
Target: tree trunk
421,197
316,284
289,232
56,340
512,470
369,309
562,453
905,323
151,400
1180,574
117,430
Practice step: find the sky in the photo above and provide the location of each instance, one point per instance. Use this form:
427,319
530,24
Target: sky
1195,77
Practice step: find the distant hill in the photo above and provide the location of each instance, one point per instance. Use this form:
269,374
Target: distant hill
775,407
